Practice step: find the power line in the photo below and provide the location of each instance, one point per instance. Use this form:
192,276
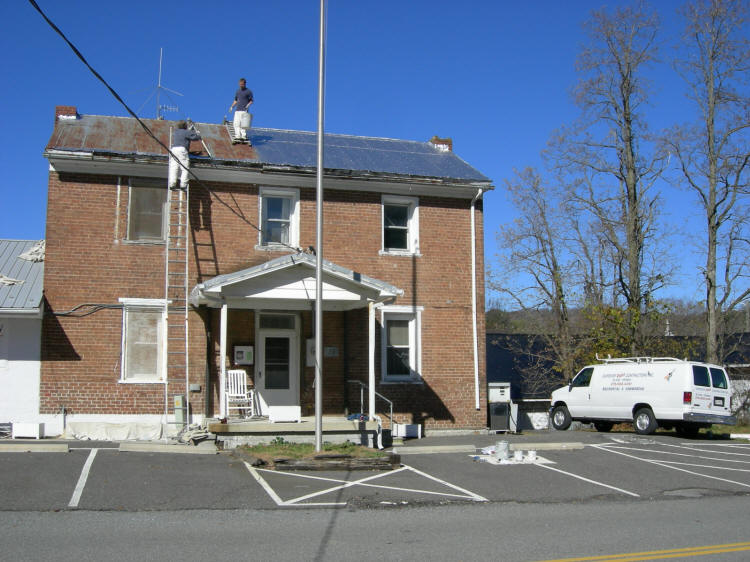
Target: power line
145,127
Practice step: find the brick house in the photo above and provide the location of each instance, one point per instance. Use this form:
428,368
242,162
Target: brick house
403,284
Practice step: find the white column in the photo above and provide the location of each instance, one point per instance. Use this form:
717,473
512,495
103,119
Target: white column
371,361
222,361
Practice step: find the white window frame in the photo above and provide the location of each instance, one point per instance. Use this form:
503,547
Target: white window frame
152,306
293,195
414,315
139,184
412,236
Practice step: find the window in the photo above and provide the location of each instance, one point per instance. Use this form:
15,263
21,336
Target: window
142,340
583,378
400,344
718,378
700,376
400,225
279,217
146,211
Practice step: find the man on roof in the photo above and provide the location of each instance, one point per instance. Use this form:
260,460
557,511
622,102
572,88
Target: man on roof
243,99
180,146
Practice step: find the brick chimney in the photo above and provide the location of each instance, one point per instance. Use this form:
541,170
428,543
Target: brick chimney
443,145
65,112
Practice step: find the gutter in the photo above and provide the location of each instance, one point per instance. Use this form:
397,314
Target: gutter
474,298
21,312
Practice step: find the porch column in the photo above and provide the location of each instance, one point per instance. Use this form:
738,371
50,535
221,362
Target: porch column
371,361
222,362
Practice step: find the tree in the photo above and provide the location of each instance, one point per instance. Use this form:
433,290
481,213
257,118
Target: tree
609,164
534,245
713,154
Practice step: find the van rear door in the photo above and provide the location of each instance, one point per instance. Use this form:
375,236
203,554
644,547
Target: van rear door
722,394
702,398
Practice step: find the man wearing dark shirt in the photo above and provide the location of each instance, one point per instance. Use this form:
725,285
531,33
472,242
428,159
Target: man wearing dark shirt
243,99
180,146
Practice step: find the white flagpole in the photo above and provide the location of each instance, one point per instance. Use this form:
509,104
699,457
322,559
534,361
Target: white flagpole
319,243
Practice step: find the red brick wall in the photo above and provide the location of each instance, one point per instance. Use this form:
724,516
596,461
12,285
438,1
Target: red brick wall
87,263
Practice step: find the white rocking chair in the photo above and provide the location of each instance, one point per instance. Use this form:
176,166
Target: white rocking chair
237,395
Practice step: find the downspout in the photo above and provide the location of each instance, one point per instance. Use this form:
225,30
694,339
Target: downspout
474,298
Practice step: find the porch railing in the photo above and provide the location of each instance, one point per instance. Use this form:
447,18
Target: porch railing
362,388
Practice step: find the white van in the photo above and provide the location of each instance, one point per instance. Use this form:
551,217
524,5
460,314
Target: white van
649,391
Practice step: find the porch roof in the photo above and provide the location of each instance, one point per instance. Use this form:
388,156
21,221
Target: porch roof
288,283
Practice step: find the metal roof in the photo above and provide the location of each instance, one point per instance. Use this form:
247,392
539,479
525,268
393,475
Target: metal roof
26,294
270,147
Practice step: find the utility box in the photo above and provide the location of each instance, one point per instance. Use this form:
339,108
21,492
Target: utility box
180,407
502,412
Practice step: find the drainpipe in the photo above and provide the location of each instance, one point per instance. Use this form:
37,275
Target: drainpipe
474,298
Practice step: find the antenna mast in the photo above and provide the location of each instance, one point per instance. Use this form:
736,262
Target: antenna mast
161,108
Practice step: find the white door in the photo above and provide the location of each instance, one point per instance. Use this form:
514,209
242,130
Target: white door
578,398
277,368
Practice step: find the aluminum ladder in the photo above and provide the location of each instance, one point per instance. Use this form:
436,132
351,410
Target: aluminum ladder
176,296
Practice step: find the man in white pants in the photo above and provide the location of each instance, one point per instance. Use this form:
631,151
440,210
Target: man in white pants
180,146
243,99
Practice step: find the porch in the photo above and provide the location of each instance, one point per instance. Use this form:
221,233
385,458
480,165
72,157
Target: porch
264,318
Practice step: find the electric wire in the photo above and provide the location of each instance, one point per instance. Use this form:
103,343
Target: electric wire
146,128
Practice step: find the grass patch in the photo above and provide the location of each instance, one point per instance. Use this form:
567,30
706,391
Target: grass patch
279,448
727,429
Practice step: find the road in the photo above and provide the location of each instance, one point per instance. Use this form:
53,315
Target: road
508,532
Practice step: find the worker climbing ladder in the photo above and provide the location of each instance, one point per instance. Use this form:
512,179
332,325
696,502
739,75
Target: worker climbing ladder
176,296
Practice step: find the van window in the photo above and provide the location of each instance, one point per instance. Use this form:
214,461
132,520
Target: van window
718,378
584,377
700,376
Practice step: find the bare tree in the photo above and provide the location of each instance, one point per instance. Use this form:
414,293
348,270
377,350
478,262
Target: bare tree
533,246
608,161
713,154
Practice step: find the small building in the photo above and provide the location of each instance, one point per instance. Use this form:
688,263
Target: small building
155,295
21,308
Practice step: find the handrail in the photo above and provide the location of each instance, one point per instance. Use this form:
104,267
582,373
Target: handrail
362,388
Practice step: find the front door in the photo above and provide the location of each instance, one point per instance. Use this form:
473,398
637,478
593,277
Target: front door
277,367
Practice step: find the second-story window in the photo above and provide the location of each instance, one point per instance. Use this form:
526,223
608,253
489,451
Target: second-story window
146,211
400,225
279,217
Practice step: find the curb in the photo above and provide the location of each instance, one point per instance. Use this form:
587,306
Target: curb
571,446
202,449
471,449
428,450
739,435
34,448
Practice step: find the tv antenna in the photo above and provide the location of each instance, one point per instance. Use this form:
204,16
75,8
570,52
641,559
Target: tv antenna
161,108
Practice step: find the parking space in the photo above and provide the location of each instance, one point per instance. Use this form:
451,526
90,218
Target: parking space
621,467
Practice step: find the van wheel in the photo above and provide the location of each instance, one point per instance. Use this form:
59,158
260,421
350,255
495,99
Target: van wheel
644,421
561,418
603,426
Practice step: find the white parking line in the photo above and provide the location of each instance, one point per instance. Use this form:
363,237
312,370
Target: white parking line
82,479
342,484
706,450
610,447
589,480
666,464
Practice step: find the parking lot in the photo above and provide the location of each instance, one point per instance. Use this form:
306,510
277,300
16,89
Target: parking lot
618,466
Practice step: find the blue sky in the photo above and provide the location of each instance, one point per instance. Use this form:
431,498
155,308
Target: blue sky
494,75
